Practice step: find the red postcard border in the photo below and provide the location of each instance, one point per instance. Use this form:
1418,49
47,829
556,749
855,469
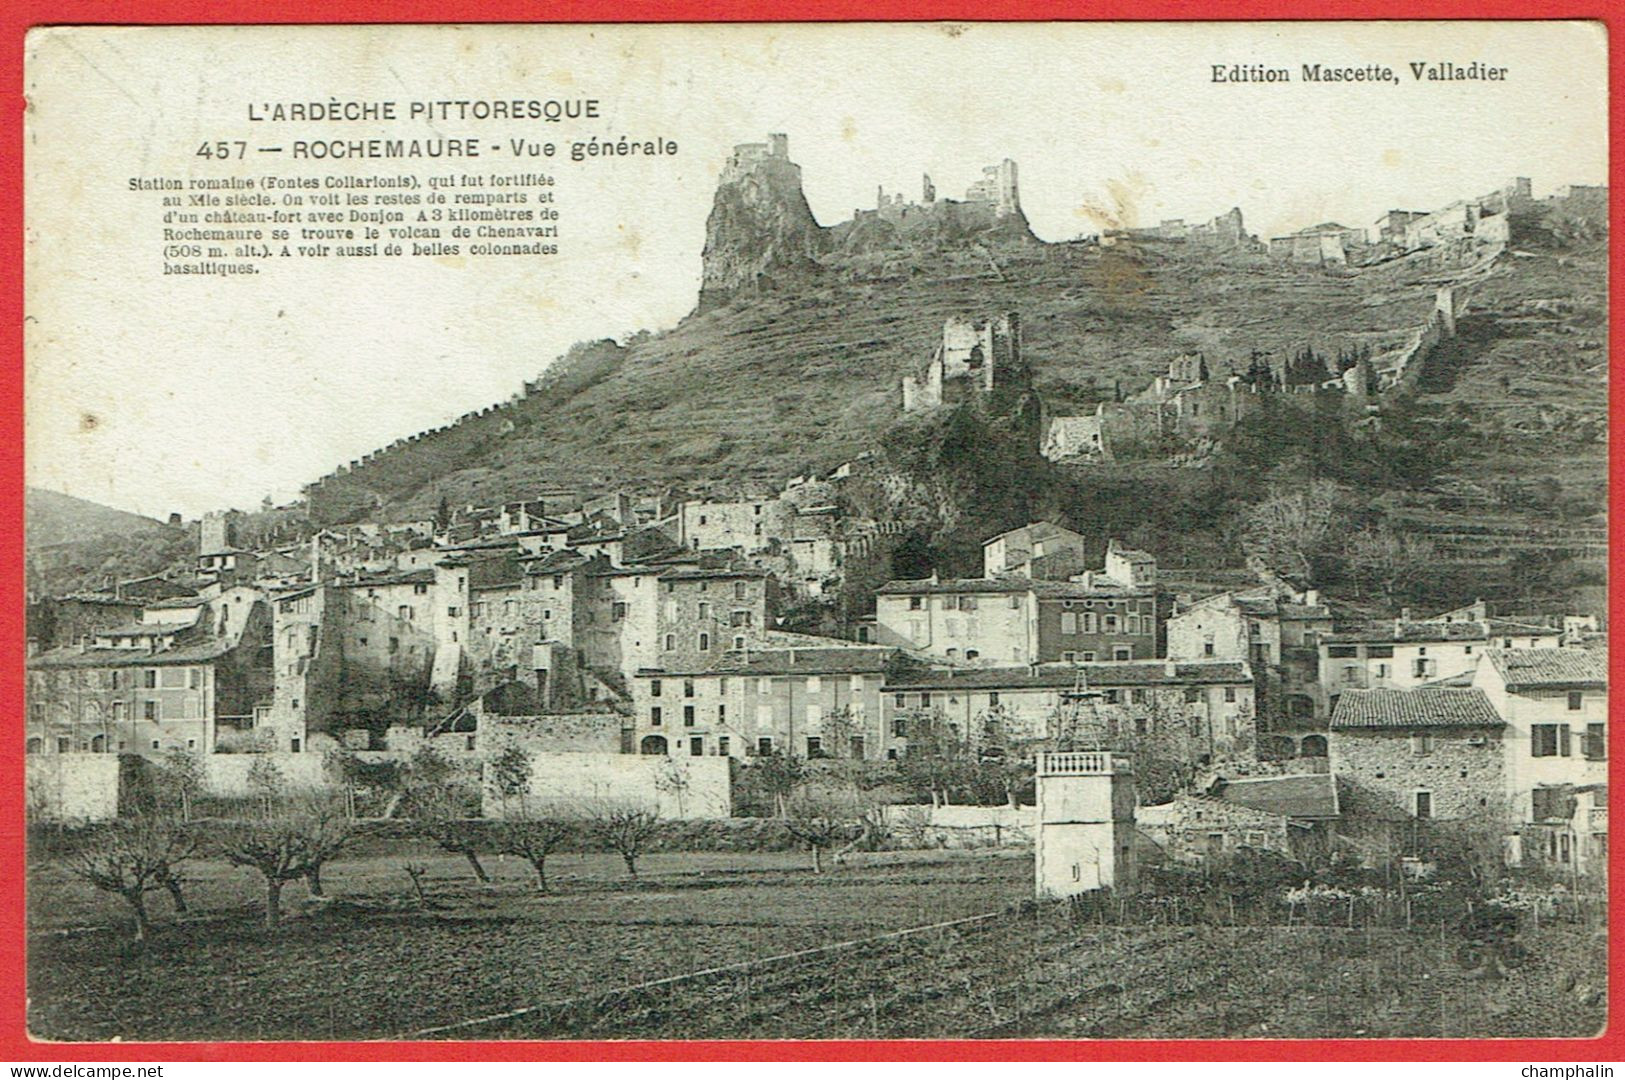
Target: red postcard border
20,16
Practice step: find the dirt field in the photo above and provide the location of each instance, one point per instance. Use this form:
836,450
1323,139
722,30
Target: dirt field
372,964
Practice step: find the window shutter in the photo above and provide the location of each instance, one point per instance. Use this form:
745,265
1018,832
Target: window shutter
1534,741
1563,740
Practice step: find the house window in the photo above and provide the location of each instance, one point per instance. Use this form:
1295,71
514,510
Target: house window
899,727
1069,657
740,591
688,716
764,746
1424,804
815,746
1207,648
704,610
1421,743
671,642
856,743
914,603
1576,701
654,687
1069,622
1382,671
617,612
722,713
950,603
1111,624
901,700
993,698
688,687
739,642
1122,653
151,711
1137,696
722,746
1341,652
452,612
1015,602
925,701
654,716
1114,697
1192,695
1548,740
1230,693
1423,667
404,612
194,679
1596,743
149,678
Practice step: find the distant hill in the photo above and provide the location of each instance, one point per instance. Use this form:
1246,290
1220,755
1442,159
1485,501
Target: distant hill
75,545
51,518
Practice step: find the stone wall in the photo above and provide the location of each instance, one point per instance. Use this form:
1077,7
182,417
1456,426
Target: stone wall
226,775
679,787
1379,771
72,787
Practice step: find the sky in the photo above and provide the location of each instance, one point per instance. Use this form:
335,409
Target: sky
160,393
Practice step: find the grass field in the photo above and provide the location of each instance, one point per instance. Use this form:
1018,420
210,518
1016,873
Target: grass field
373,963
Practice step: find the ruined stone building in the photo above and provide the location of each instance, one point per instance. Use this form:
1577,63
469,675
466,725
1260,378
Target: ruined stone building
974,357
997,187
1326,244
747,156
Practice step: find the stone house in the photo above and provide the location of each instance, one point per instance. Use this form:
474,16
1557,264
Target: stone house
148,688
1555,706
1292,816
1402,756
985,621
1278,636
1405,653
1042,550
1099,619
809,702
705,613
1190,712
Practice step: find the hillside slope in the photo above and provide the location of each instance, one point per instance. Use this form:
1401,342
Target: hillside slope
52,518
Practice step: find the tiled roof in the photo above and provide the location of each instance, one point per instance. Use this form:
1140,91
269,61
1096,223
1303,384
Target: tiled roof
1077,590
1422,707
972,586
1552,668
1096,676
1313,795
1513,628
1388,632
373,581
177,602
838,661
711,575
1037,530
70,657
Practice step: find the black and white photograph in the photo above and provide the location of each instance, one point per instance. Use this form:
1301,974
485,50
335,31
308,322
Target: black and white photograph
811,531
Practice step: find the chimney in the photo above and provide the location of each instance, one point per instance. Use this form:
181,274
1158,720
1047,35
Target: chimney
934,578
1311,597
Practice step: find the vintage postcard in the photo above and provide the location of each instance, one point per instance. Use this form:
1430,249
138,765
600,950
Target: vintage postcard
817,531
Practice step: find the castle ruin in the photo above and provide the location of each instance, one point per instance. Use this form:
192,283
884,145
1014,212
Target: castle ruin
974,357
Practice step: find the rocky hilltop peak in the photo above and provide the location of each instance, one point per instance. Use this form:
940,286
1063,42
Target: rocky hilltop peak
761,230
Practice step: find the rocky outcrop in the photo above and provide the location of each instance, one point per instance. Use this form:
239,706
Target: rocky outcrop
761,232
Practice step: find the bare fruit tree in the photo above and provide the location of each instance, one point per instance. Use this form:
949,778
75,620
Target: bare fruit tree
624,828
822,816
130,858
288,847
